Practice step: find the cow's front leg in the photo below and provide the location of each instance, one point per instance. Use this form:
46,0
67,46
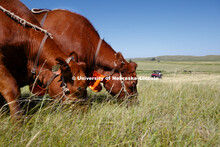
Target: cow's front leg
10,91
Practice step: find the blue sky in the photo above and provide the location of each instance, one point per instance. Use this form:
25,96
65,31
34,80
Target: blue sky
147,28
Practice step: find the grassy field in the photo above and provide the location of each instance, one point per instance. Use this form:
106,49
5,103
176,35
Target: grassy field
181,109
178,67
210,58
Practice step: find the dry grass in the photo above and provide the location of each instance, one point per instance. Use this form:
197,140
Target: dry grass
178,110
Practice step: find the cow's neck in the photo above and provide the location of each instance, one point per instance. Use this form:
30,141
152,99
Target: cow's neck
47,59
106,56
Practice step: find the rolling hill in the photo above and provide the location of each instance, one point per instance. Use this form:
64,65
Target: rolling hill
212,58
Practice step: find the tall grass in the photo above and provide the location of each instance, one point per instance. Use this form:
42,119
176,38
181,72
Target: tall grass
169,113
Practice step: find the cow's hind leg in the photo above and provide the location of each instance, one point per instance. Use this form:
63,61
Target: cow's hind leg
10,91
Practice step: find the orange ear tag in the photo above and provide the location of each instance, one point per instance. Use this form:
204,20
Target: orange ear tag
95,84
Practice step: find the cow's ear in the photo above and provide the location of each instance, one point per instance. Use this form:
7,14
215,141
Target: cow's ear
63,65
133,66
119,56
119,62
74,56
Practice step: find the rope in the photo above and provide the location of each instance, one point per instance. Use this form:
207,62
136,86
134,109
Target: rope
24,22
43,19
123,84
98,48
33,70
38,11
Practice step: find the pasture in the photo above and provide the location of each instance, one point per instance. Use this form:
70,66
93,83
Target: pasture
181,109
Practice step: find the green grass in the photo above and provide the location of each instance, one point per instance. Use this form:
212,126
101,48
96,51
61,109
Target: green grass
178,110
147,67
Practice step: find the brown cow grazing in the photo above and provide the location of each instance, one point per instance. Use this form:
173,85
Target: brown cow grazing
21,60
80,36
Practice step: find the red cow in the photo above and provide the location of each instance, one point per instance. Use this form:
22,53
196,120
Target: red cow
19,48
75,33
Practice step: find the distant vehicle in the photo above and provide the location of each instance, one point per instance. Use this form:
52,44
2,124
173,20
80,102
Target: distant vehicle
156,74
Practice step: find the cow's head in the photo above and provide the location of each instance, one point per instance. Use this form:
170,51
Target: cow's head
69,78
123,81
